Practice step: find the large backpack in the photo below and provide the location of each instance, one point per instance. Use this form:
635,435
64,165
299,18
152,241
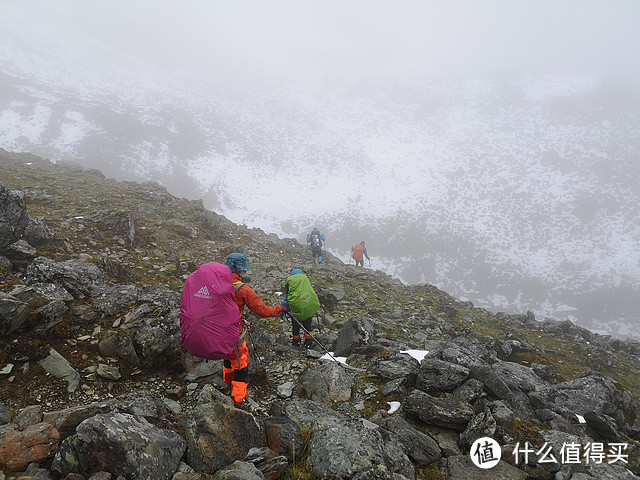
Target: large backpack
315,242
358,250
303,301
209,315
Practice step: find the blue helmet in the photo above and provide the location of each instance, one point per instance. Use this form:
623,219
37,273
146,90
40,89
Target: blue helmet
296,271
237,262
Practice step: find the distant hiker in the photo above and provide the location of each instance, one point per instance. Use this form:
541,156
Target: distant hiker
235,367
315,239
357,251
302,302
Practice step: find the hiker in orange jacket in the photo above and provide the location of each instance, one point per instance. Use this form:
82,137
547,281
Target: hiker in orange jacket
357,252
235,367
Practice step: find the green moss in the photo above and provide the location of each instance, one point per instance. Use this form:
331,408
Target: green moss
524,431
300,469
430,472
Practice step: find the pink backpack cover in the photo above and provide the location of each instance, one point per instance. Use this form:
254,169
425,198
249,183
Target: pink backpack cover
209,315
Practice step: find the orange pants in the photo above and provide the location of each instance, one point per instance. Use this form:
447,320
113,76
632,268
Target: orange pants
236,372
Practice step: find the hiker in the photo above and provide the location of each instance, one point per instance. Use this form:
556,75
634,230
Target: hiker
235,367
302,302
357,251
315,239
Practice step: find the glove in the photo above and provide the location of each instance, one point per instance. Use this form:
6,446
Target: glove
285,307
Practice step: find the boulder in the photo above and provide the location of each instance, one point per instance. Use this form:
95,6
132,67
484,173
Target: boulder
283,436
68,419
35,443
13,313
119,346
420,448
327,384
218,435
482,425
355,332
13,216
401,365
37,233
239,470
120,444
461,466
59,367
341,447
440,376
448,412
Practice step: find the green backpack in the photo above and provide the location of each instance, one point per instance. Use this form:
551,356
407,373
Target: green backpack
303,301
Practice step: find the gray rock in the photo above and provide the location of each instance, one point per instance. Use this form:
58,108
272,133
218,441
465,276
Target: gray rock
286,389
13,313
462,467
59,367
448,413
327,384
66,421
420,448
28,416
75,276
502,414
482,425
355,332
109,372
37,232
492,382
120,444
394,387
603,425
54,312
439,376
20,250
239,470
341,447
35,472
469,391
283,436
268,462
595,393
218,435
13,216
120,346
399,366
210,394
39,294
5,414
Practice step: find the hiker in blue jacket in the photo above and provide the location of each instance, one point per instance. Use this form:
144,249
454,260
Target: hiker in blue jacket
315,239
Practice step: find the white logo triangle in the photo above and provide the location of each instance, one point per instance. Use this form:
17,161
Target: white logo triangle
204,291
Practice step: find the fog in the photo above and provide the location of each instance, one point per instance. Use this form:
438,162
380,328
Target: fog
491,148
288,41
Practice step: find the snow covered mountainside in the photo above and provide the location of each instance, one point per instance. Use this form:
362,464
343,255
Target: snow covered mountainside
517,193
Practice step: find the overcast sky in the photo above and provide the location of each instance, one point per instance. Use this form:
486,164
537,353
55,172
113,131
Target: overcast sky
303,40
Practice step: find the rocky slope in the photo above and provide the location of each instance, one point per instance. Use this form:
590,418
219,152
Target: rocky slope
94,384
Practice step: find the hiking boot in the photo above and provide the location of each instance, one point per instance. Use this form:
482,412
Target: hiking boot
308,343
295,342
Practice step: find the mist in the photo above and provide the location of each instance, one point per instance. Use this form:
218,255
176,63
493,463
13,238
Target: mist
489,148
286,41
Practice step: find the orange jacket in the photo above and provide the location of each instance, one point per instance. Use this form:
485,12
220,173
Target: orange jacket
245,296
356,252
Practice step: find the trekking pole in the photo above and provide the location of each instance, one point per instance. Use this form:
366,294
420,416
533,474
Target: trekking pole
253,345
321,346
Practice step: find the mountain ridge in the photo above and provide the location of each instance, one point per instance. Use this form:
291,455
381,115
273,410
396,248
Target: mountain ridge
115,255
532,179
